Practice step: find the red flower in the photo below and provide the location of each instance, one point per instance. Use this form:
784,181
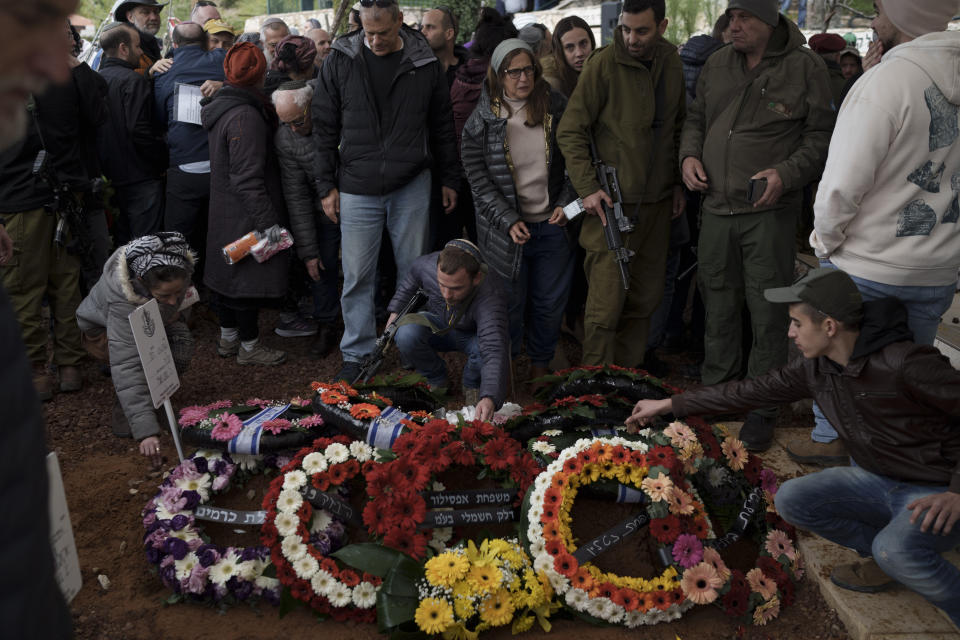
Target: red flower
553,496
665,530
352,467
626,598
587,456
555,547
549,514
606,590
496,453
595,399
410,509
349,578
551,531
487,429
337,474
752,469
470,435
320,481
378,481
373,517
662,456
572,466
771,568
565,564
566,403
413,545
662,600
619,455
735,602
533,409
460,454
438,461
738,580
406,444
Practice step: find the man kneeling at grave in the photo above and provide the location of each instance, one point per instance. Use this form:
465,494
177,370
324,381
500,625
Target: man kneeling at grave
896,405
466,312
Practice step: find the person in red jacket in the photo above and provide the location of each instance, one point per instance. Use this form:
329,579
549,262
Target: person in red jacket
896,406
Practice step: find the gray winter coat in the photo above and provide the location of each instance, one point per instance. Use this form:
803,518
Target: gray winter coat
486,316
489,169
297,156
107,308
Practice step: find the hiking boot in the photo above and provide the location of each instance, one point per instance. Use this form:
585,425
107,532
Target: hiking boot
325,342
228,348
806,451
295,327
865,577
70,379
349,371
42,382
757,432
471,396
262,355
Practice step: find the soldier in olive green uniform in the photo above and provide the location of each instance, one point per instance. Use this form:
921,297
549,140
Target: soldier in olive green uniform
763,111
631,97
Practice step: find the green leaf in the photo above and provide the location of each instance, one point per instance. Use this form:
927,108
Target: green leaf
287,602
657,471
658,509
270,571
174,598
386,455
583,411
373,558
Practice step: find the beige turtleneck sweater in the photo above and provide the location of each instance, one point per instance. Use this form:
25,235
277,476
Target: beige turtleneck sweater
528,151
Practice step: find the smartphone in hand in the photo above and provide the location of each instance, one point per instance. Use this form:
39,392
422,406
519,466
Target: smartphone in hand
755,189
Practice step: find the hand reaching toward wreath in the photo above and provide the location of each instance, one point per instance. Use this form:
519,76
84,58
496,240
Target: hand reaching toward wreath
150,447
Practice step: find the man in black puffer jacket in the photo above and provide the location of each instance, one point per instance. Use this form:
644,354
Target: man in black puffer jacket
382,115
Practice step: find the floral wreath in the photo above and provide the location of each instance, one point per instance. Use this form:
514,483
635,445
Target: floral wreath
467,590
304,567
398,509
725,472
603,379
354,413
286,425
188,563
570,413
677,518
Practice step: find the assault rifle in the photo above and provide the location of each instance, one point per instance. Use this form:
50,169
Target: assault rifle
68,209
373,360
617,223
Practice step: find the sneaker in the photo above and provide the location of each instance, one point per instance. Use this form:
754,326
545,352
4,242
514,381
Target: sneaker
757,432
349,371
806,451
865,577
471,396
296,327
42,382
70,379
262,355
325,343
228,348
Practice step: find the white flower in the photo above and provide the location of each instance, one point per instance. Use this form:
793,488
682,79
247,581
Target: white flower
361,450
537,548
438,486
222,571
718,476
286,524
185,566
596,608
340,595
289,501
163,513
321,520
612,612
322,582
246,462
249,569
306,566
543,563
577,598
293,480
550,433
314,463
337,453
509,410
541,482
535,511
263,582
201,485
293,548
364,595
543,447
186,534
634,619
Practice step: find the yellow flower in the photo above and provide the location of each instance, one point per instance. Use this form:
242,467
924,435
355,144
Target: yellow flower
482,557
522,624
484,579
497,610
445,569
590,473
460,632
463,600
434,615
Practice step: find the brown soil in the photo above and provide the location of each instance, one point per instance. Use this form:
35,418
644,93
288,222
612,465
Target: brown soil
108,483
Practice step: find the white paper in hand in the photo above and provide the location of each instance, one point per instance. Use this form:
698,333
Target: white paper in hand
186,103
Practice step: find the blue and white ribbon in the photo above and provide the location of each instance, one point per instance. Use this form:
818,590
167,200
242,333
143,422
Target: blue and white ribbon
386,428
248,440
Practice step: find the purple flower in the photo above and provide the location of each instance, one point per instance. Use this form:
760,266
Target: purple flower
220,482
321,543
768,481
271,595
241,589
192,500
169,576
197,581
687,550
208,556
219,467
251,553
153,555
179,522
149,519
176,547
200,463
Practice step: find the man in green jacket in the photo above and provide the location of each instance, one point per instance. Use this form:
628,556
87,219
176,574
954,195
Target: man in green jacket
631,98
762,119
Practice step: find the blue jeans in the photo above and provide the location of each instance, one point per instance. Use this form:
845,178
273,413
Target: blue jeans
539,296
420,347
326,297
867,512
924,306
801,11
405,213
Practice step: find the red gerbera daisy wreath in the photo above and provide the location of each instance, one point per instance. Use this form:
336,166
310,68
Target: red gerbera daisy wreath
397,512
304,566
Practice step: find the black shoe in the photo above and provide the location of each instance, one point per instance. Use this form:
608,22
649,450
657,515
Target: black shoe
654,365
757,432
348,372
324,343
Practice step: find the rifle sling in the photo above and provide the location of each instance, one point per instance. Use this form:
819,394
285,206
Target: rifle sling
421,318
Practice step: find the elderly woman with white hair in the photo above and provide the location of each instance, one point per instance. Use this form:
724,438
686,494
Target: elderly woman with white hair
158,267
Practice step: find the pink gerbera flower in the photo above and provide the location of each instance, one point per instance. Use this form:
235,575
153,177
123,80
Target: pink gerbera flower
761,584
228,427
277,425
779,543
712,557
679,434
190,416
219,404
680,502
658,488
687,550
311,421
735,452
768,481
700,583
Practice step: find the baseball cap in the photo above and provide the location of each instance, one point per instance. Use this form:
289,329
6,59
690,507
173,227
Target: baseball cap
217,26
829,291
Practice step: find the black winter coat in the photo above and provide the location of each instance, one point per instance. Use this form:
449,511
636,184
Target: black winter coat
365,152
130,143
487,164
297,156
245,192
694,54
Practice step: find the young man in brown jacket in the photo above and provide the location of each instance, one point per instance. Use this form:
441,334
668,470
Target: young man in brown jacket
896,406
